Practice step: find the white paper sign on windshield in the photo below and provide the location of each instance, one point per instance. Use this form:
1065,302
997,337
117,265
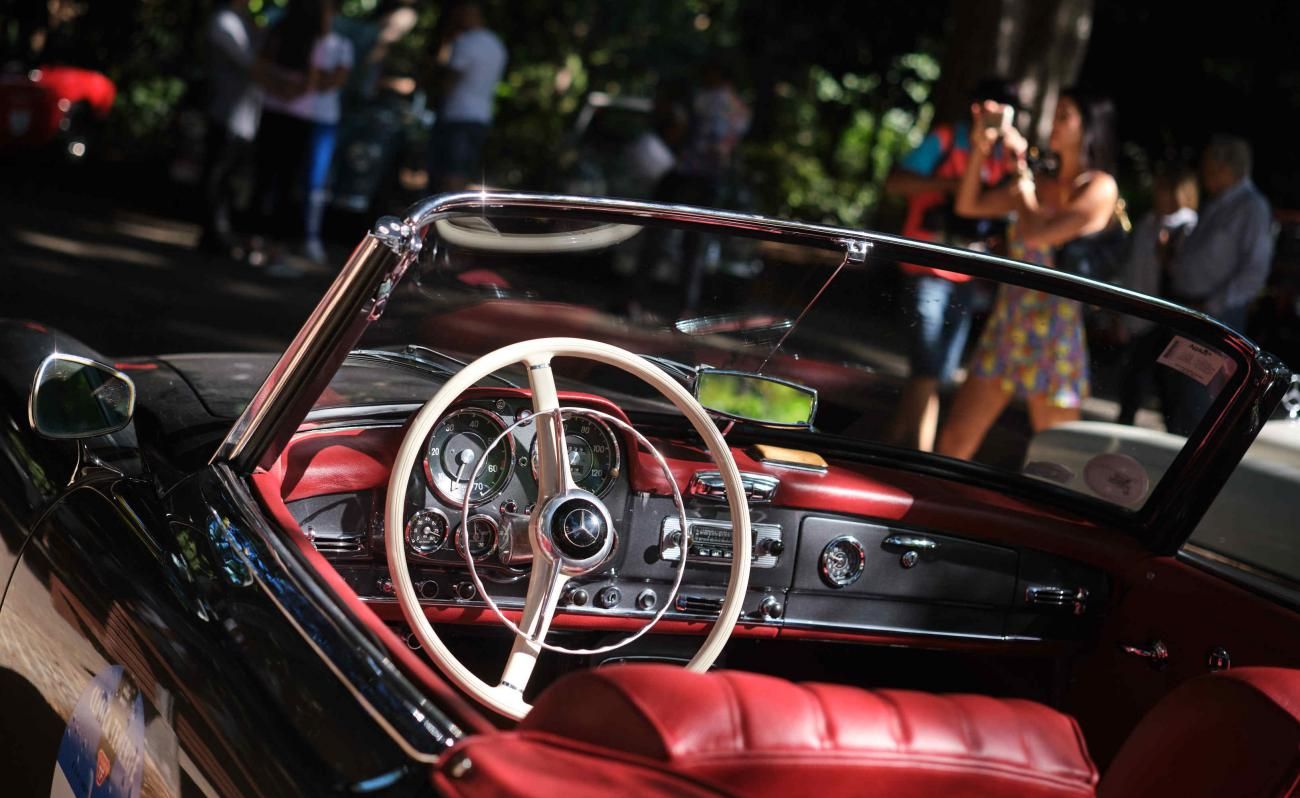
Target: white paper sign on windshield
1198,362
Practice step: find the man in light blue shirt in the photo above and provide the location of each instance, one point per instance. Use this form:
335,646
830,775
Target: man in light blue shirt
1225,261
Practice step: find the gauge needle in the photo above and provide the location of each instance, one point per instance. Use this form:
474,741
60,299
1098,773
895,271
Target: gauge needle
464,457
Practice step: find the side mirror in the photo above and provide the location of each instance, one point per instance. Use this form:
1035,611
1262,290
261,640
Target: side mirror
73,397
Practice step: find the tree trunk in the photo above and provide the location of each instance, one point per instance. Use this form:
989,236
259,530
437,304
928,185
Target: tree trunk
1038,43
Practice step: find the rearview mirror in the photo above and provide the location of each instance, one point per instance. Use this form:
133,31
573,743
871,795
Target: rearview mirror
74,397
754,397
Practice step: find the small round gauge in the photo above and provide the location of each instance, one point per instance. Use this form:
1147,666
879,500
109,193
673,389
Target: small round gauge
482,537
426,532
842,561
594,456
457,445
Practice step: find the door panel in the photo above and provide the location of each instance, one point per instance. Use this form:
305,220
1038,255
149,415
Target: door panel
1192,612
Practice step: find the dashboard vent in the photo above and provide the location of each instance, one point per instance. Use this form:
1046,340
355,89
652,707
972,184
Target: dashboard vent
345,547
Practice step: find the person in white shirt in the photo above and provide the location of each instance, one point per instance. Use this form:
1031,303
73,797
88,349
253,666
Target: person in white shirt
473,60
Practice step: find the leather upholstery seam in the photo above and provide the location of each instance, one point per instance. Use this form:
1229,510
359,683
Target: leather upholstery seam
889,759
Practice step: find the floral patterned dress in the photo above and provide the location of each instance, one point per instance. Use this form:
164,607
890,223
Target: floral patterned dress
1034,342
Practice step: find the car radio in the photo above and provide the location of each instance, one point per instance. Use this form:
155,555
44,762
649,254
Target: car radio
711,542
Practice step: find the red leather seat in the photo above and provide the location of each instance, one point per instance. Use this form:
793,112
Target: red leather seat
1235,733
658,730
752,735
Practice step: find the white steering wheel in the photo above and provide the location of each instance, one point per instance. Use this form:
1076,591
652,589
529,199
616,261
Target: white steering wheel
557,553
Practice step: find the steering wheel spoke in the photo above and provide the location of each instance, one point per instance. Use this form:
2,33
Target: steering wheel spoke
545,585
553,475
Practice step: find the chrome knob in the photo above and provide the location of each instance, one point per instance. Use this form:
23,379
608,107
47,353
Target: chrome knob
646,600
770,608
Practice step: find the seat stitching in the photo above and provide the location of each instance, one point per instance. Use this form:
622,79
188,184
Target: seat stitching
888,759
902,732
1024,745
828,737
969,733
736,711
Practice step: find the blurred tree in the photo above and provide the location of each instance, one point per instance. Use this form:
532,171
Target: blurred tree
1041,43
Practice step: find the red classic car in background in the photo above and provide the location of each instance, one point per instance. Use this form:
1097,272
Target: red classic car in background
53,107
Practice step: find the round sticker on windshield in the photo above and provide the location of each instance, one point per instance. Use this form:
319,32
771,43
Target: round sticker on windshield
1116,478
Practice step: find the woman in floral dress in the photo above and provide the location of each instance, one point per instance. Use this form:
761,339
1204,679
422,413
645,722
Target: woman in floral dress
1033,346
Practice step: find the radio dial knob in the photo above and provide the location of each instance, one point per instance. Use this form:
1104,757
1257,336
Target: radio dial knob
773,547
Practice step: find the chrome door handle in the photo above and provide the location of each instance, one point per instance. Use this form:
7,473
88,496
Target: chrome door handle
1156,653
910,542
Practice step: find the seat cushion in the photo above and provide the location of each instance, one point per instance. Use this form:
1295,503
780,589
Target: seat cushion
1234,733
757,735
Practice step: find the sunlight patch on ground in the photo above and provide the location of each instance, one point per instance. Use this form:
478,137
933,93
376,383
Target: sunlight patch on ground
82,249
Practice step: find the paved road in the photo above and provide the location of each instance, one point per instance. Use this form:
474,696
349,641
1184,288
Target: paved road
132,282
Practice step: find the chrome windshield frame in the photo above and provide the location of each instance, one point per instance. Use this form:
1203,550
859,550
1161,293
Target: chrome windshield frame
359,292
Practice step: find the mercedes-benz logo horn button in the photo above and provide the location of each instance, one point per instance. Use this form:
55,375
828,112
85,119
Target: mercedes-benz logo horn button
581,528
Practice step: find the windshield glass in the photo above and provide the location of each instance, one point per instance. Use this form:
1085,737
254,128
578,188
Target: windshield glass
902,358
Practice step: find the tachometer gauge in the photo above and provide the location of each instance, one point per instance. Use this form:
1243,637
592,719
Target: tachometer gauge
593,454
457,445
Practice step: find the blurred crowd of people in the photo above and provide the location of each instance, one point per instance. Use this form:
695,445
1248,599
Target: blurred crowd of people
276,102
979,184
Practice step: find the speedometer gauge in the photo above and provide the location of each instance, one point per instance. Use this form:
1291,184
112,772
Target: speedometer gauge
593,454
457,446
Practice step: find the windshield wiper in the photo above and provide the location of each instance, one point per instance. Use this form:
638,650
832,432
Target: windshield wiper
423,358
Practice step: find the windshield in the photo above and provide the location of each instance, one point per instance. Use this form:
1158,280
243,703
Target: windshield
903,359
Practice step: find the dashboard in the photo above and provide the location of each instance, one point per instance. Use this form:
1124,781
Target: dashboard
839,551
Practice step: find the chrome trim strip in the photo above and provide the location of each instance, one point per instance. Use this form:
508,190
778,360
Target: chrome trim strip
898,630
1254,579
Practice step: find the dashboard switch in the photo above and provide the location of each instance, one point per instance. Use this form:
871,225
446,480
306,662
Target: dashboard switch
429,589
608,597
770,608
646,600
466,590
578,597
385,586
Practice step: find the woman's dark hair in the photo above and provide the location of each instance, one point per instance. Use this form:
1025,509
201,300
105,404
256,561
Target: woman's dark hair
1099,144
291,39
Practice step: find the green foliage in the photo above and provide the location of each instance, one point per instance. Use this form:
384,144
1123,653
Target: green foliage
836,137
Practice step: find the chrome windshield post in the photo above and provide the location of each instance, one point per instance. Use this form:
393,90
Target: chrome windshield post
353,300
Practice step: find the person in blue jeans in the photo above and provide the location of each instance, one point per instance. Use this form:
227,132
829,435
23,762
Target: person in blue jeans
939,303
